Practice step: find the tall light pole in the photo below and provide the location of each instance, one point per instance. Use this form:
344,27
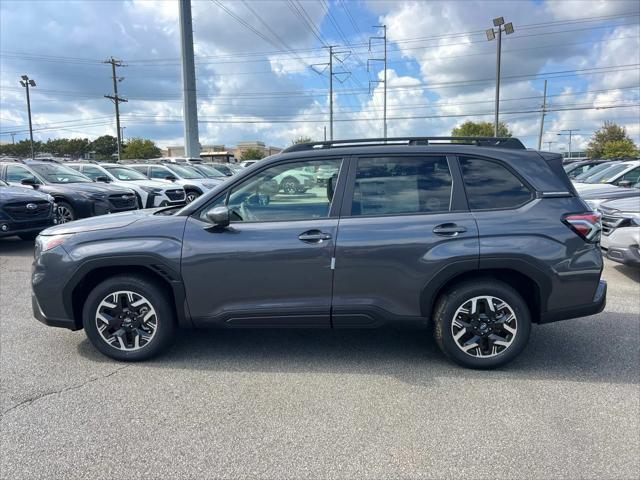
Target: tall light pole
570,134
492,34
384,59
549,144
191,137
27,82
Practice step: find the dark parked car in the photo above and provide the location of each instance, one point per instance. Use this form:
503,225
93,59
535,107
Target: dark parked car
24,212
76,195
481,240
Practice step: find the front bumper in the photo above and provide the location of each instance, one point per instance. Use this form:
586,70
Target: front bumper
49,321
628,255
596,306
9,228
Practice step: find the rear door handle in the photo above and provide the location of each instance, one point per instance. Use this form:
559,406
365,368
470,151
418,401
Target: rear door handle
314,236
449,229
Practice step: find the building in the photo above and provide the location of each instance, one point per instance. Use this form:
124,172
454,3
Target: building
218,153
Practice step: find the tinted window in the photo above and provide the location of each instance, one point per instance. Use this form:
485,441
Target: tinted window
16,174
490,185
92,172
160,172
396,185
283,192
633,176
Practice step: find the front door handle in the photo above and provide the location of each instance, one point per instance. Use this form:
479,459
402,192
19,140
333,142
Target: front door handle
449,229
314,236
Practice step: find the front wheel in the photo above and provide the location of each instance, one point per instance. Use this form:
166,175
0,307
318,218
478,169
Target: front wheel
128,318
191,196
290,185
65,212
482,324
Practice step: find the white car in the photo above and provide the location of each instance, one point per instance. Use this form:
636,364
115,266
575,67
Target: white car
620,239
193,182
622,174
150,193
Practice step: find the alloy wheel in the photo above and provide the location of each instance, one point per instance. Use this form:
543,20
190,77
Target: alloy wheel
126,320
64,214
191,197
484,326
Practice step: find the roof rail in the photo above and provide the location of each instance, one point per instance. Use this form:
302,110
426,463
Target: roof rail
501,142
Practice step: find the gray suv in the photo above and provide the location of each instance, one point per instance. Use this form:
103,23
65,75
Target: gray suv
479,239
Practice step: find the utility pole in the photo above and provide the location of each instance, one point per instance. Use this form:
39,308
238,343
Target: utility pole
549,145
13,137
116,99
332,54
191,137
570,134
384,59
491,34
544,111
27,82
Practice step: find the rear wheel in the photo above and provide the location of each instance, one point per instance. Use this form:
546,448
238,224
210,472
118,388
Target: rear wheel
482,323
128,318
290,185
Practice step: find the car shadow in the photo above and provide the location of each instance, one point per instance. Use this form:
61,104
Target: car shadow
632,273
572,350
14,246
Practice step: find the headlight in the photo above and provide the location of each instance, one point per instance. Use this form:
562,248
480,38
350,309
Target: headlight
634,217
94,196
47,242
153,190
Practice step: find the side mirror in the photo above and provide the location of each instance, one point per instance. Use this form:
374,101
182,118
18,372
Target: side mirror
219,216
171,178
103,178
30,182
625,183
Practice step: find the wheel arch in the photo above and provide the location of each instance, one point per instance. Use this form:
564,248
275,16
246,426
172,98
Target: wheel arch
90,275
532,288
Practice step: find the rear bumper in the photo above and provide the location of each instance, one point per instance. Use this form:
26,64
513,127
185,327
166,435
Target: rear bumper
596,306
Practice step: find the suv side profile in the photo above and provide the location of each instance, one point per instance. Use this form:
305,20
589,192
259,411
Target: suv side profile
479,239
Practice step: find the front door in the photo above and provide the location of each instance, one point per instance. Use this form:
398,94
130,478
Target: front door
273,265
404,221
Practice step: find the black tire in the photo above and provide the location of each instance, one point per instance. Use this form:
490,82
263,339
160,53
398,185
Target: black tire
191,195
290,185
157,297
65,212
28,236
449,303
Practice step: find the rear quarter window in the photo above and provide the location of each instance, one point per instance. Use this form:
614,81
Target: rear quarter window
489,185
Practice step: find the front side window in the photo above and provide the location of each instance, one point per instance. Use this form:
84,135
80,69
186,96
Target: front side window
633,176
160,172
399,185
284,192
489,185
16,174
93,172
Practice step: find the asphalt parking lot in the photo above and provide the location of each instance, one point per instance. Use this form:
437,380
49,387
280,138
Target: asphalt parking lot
318,404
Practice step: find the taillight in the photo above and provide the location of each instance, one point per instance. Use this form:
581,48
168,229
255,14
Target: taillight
587,225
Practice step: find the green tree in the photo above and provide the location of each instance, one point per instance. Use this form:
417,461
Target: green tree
252,154
105,146
301,140
21,148
141,148
480,129
611,141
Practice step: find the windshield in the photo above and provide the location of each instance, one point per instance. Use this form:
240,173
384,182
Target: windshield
209,171
607,174
126,174
599,168
55,173
185,172
223,168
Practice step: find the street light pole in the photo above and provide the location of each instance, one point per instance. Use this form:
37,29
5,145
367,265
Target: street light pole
26,82
492,34
570,134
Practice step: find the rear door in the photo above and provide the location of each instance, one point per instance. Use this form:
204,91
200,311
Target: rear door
404,220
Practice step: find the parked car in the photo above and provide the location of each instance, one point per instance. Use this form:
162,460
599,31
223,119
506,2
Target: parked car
621,230
193,182
150,193
622,174
574,169
479,240
606,192
208,171
76,195
593,171
24,212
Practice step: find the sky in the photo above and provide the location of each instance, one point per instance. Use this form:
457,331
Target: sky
262,75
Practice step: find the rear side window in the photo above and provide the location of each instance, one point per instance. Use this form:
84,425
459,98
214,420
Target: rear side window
489,185
397,185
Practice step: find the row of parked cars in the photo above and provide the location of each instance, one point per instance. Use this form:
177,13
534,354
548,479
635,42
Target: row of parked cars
37,193
613,188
